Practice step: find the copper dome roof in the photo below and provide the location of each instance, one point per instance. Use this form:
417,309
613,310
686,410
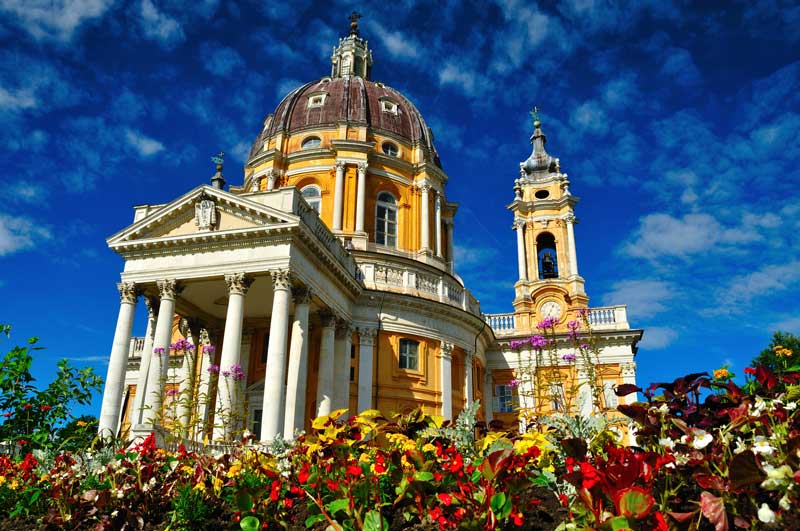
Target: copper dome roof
351,99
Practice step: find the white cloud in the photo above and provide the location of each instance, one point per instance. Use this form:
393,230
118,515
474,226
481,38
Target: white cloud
788,324
470,256
645,298
679,66
17,100
285,86
590,117
159,26
658,337
220,60
766,282
54,19
144,145
20,233
401,46
27,192
662,235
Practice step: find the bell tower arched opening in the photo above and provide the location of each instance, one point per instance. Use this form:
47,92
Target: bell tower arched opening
547,257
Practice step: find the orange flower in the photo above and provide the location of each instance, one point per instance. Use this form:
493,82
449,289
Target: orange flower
722,374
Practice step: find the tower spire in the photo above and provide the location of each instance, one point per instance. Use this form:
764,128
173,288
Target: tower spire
352,56
539,161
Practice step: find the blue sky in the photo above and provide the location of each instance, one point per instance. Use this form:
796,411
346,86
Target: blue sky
677,124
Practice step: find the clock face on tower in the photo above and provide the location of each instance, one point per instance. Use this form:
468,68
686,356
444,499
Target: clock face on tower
551,309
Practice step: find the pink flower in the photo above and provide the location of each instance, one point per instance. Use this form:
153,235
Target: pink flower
569,357
513,383
158,351
213,369
208,349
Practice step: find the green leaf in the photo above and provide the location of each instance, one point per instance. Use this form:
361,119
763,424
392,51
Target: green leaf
497,502
342,504
423,475
635,502
619,523
373,521
250,523
476,475
313,519
244,501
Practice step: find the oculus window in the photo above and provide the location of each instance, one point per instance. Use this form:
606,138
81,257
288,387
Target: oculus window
386,220
311,142
390,149
313,197
409,354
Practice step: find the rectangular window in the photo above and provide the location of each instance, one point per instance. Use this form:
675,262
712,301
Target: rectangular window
558,401
409,354
257,414
503,398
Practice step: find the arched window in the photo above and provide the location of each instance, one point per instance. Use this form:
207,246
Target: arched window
547,255
312,196
311,142
409,354
386,220
389,149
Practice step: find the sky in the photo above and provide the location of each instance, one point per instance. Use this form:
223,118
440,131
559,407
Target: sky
677,124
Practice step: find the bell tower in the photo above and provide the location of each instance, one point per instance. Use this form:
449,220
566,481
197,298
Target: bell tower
549,284
352,56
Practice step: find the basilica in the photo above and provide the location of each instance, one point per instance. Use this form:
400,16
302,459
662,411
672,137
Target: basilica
325,280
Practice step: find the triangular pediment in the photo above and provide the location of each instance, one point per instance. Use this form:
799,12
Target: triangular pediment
202,212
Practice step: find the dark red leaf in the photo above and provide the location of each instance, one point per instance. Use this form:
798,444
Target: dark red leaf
744,470
681,517
766,377
626,389
708,481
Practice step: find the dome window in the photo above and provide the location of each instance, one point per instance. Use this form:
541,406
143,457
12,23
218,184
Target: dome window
388,105
317,99
386,220
409,354
390,149
313,197
311,142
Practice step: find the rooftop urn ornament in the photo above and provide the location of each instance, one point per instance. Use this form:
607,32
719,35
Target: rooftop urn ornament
218,181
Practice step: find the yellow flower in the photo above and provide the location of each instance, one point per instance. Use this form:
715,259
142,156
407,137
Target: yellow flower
365,458
2,480
14,485
429,448
81,423
217,484
721,374
200,487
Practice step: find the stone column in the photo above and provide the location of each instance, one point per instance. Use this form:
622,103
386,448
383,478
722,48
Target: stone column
573,255
144,364
366,342
296,383
446,383
227,417
256,183
118,363
469,396
437,207
535,264
159,364
488,396
519,226
189,382
341,363
273,405
451,259
361,193
426,224
206,354
338,196
272,178
326,365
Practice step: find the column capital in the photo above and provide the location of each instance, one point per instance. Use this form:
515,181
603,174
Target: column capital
628,368
339,165
519,223
169,288
344,328
238,283
366,335
128,292
301,295
362,167
425,188
281,279
152,306
469,357
447,350
328,318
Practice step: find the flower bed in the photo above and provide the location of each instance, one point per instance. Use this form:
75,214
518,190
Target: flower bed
710,455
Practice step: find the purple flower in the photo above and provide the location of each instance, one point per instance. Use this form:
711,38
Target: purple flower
182,345
208,349
225,374
516,344
236,373
158,350
513,383
584,346
213,369
569,357
574,325
538,342
548,322
172,392
583,312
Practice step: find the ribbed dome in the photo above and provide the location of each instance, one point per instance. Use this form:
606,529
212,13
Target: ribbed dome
351,99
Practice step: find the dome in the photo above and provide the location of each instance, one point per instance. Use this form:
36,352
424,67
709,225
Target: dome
348,95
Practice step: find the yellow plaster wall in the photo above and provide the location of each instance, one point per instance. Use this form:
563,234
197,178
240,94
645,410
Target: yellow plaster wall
399,390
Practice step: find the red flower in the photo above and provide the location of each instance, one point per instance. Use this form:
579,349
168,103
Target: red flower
517,518
332,485
591,476
275,492
302,476
750,370
435,513
380,464
26,406
287,502
563,498
7,415
437,476
456,464
445,498
354,470
46,407
662,524
22,442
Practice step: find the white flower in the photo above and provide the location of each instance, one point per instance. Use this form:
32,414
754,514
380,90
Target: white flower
784,503
701,439
667,443
759,407
762,446
740,446
765,514
790,406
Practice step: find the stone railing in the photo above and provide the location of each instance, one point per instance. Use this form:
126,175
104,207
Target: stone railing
431,285
603,318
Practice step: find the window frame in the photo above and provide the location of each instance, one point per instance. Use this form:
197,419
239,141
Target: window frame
557,397
407,357
312,104
385,221
503,400
392,147
318,197
309,139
